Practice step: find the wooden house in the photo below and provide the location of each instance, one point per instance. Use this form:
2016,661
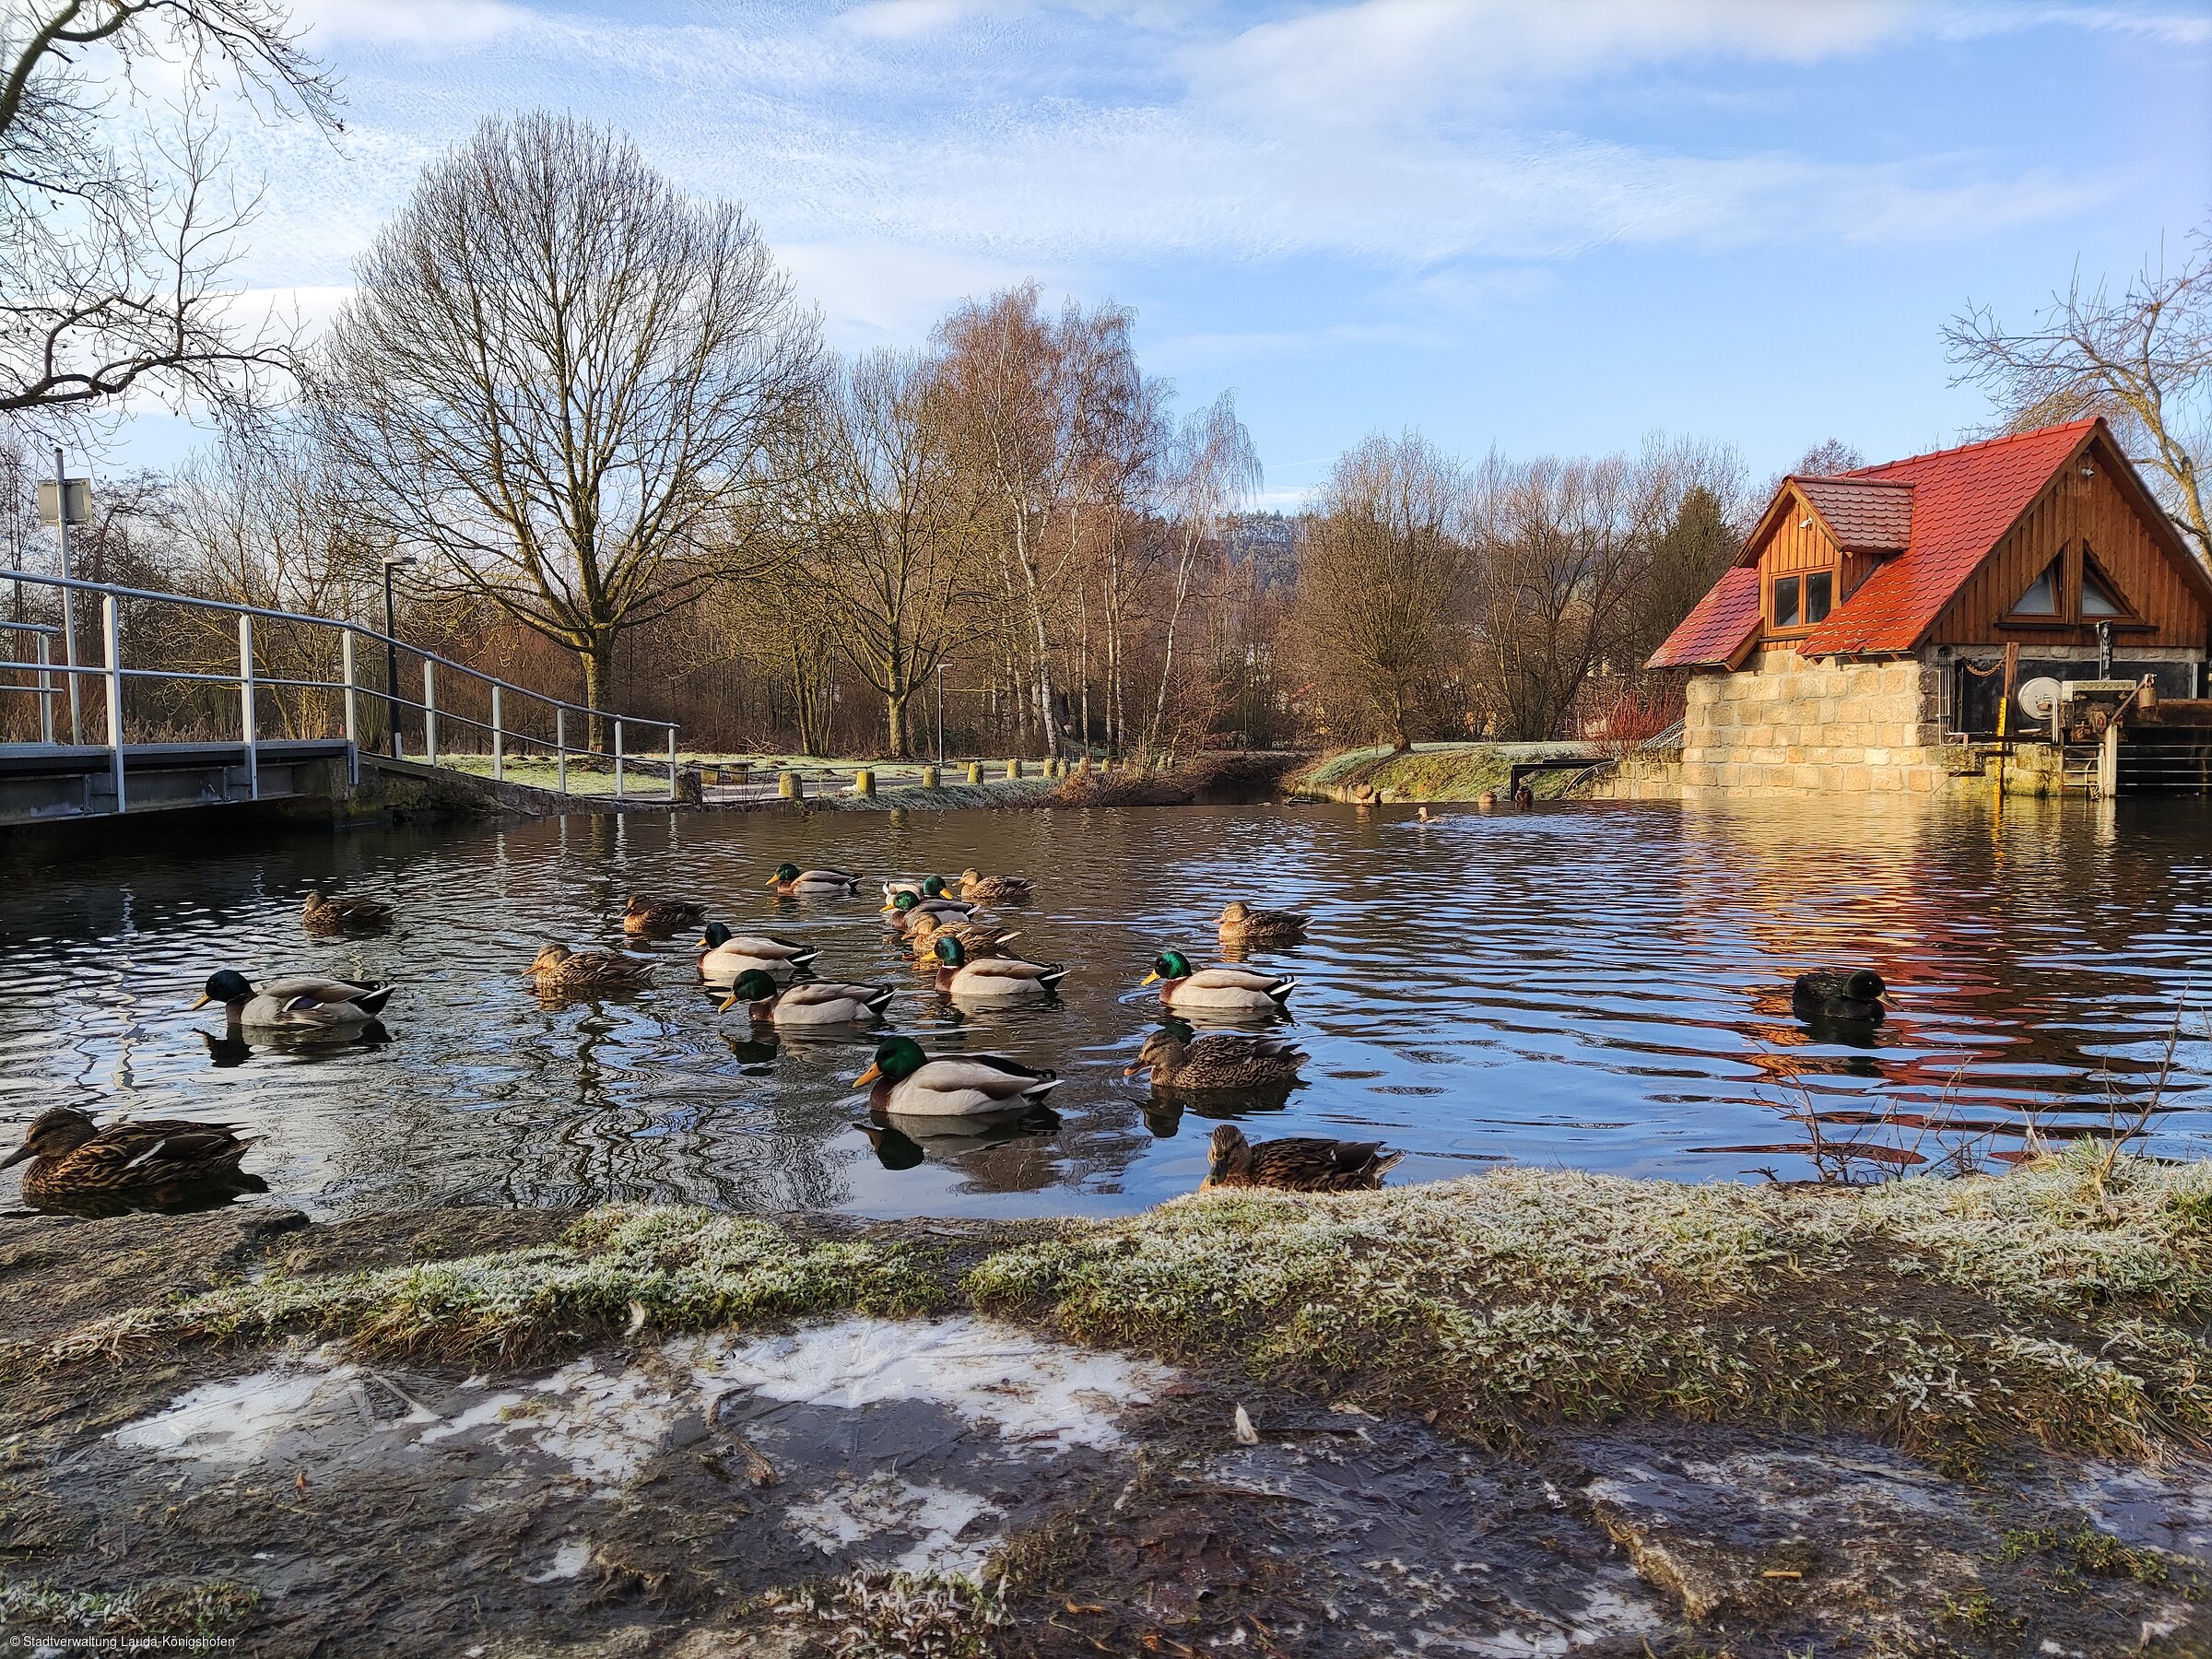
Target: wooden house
1858,643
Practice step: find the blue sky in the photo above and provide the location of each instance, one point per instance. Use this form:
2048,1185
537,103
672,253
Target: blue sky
1539,224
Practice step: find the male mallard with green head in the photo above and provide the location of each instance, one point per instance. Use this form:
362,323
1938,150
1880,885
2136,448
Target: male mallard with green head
295,1002
904,909
1300,1164
1847,996
1244,924
642,914
1220,1059
1221,989
723,955
795,883
992,979
906,1082
814,1003
919,886
71,1159
329,913
978,888
557,970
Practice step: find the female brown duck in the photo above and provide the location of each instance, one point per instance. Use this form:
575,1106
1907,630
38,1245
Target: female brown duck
71,1160
1300,1164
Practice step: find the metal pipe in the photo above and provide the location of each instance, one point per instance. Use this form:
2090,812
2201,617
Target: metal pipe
46,691
61,515
561,748
498,759
391,663
353,731
672,763
111,625
617,759
247,723
430,710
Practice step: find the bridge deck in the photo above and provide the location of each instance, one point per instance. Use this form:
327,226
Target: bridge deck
41,783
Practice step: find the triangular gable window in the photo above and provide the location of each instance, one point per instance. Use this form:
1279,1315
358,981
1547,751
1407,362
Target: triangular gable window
2097,599
2042,597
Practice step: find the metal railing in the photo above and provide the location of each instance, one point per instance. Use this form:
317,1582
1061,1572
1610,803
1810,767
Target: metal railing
112,673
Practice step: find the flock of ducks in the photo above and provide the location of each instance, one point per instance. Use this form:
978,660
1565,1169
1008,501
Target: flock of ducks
73,1162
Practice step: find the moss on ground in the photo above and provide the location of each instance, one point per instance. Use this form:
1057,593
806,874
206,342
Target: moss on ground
2064,1303
1448,771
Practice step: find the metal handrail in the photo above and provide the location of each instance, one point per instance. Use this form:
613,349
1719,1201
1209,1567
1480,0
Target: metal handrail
112,673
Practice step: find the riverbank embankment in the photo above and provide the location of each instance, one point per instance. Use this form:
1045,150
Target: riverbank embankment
1534,1411
1443,771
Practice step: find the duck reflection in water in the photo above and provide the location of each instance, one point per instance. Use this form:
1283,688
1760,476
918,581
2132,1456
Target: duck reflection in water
232,1049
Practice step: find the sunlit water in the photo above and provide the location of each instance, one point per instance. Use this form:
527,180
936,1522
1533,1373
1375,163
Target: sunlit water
1599,986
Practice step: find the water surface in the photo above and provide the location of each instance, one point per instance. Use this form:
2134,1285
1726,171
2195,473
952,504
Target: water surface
1599,986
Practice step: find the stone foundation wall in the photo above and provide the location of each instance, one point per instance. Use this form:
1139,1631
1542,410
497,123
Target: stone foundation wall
1787,725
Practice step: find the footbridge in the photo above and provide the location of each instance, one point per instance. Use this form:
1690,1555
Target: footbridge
126,701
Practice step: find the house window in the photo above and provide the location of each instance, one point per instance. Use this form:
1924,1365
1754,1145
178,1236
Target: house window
1820,594
1788,602
2097,600
1802,600
2042,597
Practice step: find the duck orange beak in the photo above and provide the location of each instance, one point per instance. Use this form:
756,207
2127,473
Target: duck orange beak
727,1003
1150,978
868,1076
205,1000
770,882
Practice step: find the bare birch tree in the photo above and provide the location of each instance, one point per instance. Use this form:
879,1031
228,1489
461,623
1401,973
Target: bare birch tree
1213,471
2141,357
569,383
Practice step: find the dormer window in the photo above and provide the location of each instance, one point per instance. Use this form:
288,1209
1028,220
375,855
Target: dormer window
1802,600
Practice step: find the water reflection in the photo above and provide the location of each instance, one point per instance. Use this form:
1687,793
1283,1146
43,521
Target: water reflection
1603,986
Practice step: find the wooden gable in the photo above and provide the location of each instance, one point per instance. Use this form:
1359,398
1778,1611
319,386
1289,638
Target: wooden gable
2103,523
1791,538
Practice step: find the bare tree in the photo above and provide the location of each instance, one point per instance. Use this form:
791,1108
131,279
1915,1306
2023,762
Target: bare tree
891,539
2141,357
115,251
569,383
1382,585
1213,471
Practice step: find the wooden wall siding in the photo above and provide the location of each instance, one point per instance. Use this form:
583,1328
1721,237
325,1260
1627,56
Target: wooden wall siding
2074,510
1792,549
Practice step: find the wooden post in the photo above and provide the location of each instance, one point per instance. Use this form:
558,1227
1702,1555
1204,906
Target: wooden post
789,787
864,782
975,771
929,777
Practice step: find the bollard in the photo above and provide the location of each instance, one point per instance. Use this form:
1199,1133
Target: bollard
975,771
789,788
1083,765
929,777
863,782
1014,768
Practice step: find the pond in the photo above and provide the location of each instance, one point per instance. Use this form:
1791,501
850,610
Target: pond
1605,986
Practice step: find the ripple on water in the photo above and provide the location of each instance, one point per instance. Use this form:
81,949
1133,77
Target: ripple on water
1599,986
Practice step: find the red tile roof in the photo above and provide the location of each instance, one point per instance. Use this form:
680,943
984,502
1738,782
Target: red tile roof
1866,515
1963,501
1714,634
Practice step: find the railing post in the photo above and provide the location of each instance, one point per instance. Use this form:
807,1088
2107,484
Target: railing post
430,710
617,759
111,624
498,747
46,689
672,762
246,722
77,708
561,748
353,731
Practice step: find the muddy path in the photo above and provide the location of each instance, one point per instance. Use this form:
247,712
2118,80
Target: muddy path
952,1484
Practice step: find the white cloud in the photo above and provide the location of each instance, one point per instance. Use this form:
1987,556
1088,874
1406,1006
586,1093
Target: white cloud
420,24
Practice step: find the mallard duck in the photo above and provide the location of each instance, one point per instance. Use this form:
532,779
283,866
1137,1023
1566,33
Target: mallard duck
1851,995
644,915
71,1157
1224,988
792,880
992,979
906,1082
556,968
1300,1164
921,887
1222,1060
978,888
1525,798
323,912
1244,924
813,1003
901,912
300,1002
723,955
977,938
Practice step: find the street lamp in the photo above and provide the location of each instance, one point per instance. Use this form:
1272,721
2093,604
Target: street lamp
393,562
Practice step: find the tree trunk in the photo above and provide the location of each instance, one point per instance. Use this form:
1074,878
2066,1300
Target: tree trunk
896,721
597,654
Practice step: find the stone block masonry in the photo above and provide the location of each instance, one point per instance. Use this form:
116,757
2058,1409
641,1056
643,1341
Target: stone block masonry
1786,724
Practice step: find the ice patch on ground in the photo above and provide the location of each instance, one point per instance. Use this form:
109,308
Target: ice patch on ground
568,1561
241,1419
934,1516
1031,1388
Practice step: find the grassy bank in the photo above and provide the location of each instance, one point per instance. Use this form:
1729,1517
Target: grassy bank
1429,772
2063,1304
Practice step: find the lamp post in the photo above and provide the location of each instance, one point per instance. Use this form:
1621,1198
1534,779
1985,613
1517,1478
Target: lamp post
70,501
393,562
